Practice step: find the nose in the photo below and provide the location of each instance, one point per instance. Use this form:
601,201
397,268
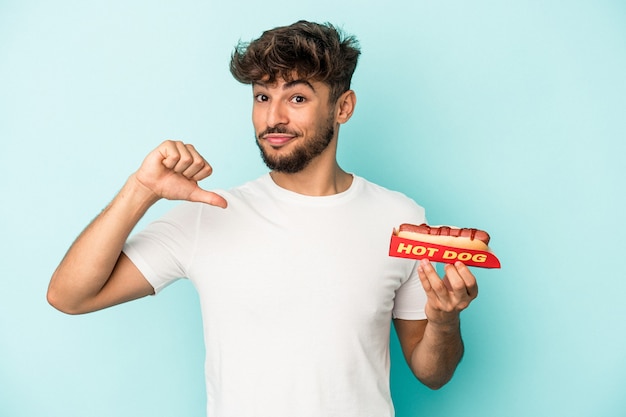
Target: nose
276,114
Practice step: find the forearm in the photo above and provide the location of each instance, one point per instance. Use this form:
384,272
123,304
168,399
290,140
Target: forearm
88,264
435,358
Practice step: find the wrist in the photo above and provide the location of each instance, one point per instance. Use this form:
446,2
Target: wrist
137,195
446,324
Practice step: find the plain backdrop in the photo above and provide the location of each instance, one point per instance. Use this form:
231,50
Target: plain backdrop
503,115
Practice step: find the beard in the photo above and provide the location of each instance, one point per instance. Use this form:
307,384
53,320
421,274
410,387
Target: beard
303,153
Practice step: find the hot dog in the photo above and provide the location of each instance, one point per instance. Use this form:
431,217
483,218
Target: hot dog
463,238
443,244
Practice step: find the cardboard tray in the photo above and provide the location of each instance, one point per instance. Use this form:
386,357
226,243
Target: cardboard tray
413,249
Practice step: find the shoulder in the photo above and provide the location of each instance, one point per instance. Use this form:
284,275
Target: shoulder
392,200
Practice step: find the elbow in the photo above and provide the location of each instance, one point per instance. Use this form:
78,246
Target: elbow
54,301
59,297
437,377
58,302
435,383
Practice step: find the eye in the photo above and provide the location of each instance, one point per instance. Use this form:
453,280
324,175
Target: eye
261,98
298,99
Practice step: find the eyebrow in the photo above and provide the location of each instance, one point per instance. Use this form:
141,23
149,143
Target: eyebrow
290,84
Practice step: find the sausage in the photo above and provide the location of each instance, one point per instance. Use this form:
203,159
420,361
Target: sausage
464,238
446,231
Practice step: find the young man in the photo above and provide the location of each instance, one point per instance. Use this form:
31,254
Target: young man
296,286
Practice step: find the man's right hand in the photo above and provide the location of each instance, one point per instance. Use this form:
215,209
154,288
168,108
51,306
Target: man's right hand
172,171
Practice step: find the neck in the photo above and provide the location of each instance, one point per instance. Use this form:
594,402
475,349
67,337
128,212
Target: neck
319,185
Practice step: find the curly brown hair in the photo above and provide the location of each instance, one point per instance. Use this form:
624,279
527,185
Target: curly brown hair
306,50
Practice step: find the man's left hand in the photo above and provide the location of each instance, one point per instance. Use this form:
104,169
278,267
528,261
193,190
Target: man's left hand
447,296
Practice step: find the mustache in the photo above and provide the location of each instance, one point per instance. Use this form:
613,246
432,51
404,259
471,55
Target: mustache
278,129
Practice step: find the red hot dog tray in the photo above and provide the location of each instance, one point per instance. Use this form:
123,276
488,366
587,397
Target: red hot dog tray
414,249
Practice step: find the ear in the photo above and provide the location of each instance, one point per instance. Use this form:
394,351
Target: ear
345,106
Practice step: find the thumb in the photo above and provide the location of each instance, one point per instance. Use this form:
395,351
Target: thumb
202,196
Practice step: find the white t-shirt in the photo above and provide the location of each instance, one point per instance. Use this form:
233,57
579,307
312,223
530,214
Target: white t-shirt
297,295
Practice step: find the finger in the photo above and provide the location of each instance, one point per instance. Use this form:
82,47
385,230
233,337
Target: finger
423,278
170,154
176,156
202,196
468,278
460,277
455,281
446,282
199,167
201,174
431,280
185,157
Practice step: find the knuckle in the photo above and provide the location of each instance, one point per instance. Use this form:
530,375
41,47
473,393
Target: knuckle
199,163
448,308
171,143
204,167
185,159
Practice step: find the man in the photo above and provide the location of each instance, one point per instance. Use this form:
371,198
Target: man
296,286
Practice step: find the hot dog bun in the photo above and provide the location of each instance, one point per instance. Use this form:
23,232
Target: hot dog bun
464,238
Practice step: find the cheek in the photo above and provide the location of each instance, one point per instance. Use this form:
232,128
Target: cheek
305,121
258,121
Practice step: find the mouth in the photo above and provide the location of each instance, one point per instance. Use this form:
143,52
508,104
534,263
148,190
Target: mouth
277,139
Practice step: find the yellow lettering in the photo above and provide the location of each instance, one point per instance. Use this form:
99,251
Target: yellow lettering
479,257
449,254
464,256
404,248
419,250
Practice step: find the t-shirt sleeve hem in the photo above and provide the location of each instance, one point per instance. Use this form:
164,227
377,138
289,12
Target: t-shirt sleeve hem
148,273
409,315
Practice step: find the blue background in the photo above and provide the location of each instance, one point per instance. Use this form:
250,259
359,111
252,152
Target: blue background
503,115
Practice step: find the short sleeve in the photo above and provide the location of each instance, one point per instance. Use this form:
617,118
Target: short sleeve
163,249
410,300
